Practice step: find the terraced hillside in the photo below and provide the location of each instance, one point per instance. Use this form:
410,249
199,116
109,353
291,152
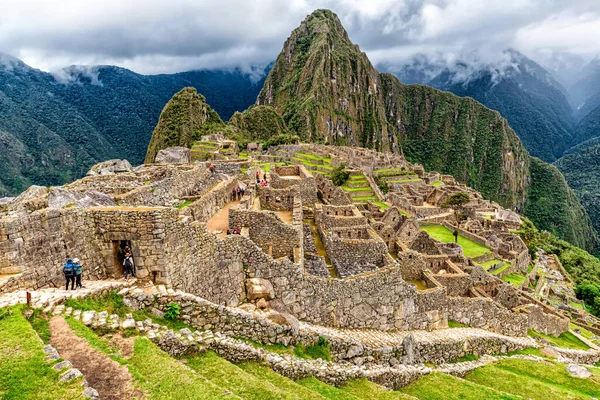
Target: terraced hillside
158,369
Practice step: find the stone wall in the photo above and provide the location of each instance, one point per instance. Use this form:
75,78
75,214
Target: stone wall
211,202
37,245
305,183
268,231
479,312
276,199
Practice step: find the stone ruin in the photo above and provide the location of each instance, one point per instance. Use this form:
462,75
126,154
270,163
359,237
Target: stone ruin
304,249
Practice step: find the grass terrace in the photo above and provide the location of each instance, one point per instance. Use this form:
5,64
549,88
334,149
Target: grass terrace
535,380
24,374
566,340
443,234
514,279
490,263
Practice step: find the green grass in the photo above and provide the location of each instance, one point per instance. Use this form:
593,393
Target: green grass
437,386
163,377
274,348
530,351
465,358
514,279
39,322
535,380
243,155
443,234
357,189
566,340
312,156
383,206
184,204
24,375
266,374
454,324
312,352
437,183
325,390
265,167
490,263
364,389
229,376
502,268
113,303
404,180
576,305
584,332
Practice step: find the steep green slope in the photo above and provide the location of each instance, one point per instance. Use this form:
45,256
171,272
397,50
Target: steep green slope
588,128
582,171
534,103
181,122
326,89
458,136
553,206
260,122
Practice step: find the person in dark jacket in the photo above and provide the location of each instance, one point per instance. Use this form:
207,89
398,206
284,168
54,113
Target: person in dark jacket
69,272
129,266
78,269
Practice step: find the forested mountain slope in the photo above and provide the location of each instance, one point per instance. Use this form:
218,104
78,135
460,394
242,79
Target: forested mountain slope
56,126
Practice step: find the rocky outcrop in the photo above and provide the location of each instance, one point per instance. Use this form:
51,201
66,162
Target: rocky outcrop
181,122
60,197
110,167
173,155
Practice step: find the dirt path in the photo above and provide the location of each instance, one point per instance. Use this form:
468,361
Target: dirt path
220,221
109,378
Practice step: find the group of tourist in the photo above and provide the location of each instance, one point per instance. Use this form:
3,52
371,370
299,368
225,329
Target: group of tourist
238,193
72,271
262,182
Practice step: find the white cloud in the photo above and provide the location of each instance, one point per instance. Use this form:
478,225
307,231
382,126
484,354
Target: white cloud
152,36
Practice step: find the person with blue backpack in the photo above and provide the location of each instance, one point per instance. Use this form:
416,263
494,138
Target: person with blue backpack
77,267
69,272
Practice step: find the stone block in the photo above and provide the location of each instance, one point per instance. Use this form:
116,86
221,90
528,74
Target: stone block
259,288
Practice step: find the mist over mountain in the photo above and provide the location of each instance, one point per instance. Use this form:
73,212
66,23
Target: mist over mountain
529,97
60,124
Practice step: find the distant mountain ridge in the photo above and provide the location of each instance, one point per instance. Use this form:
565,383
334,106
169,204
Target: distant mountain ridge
60,124
529,97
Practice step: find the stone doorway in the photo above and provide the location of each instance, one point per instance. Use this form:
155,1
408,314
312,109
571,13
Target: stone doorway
118,251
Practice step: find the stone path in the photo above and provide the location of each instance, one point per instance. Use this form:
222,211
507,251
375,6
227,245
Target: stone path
220,221
49,297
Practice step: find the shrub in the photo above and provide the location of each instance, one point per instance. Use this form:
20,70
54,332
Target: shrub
173,311
339,175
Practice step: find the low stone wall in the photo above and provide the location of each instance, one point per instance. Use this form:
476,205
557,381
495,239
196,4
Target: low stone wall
573,356
276,199
540,321
210,203
484,313
268,231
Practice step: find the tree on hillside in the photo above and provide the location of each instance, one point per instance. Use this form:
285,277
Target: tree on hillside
456,201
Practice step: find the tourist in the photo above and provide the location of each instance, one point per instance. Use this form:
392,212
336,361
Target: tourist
211,168
77,268
69,272
257,177
129,266
233,194
265,176
239,193
243,191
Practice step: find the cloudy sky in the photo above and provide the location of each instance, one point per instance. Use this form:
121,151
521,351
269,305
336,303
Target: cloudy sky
154,36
